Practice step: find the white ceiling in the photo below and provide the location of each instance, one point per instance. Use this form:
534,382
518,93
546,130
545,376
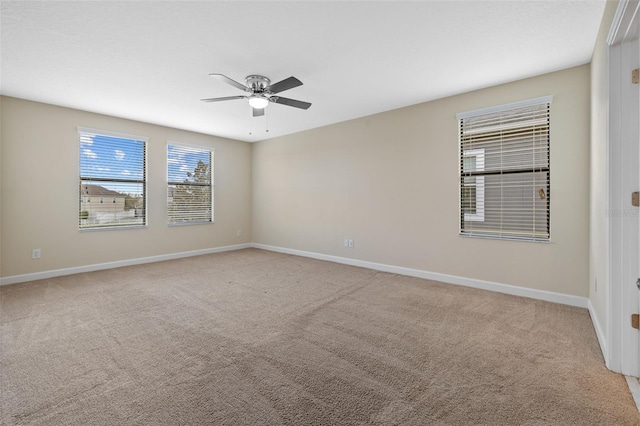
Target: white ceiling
150,60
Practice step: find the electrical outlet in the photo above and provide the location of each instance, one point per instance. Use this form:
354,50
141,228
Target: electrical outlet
350,243
35,254
238,232
346,243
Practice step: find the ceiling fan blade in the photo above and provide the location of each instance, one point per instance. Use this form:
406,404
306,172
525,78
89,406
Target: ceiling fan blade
286,84
226,98
290,102
229,81
258,112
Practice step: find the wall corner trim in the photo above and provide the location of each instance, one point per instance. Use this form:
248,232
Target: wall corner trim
549,296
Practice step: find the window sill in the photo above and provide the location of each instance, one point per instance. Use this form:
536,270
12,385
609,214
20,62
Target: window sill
190,223
494,237
112,228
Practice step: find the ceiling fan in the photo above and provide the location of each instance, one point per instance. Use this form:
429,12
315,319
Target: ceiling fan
261,92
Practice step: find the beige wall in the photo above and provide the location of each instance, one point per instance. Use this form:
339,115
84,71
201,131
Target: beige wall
39,176
387,181
599,244
390,183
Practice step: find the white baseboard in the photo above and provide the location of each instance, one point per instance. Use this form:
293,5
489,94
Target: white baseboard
599,333
548,296
117,264
634,388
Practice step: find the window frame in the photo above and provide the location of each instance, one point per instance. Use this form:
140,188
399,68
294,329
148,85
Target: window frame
478,216
481,202
86,131
211,184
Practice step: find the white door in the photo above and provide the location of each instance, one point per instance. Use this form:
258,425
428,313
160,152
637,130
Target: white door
631,131
623,341
636,84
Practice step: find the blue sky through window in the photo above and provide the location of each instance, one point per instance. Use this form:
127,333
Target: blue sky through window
109,157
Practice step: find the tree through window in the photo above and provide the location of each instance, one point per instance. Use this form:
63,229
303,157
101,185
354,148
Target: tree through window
189,185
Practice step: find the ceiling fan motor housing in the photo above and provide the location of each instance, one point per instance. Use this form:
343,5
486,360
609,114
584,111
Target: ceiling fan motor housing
257,83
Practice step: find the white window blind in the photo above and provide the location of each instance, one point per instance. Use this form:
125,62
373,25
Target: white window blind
189,185
112,191
504,171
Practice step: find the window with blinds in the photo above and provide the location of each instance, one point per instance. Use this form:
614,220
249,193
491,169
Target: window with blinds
112,190
189,185
504,171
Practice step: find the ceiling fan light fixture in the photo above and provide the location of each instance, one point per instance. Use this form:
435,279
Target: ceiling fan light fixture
258,101
260,92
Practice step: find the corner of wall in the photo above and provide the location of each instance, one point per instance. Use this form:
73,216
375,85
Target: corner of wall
600,332
599,285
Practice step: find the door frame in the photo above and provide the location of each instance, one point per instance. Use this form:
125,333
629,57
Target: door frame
623,341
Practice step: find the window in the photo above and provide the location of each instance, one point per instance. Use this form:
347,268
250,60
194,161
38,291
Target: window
189,185
504,171
112,166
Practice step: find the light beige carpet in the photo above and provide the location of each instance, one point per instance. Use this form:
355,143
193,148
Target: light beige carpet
259,338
